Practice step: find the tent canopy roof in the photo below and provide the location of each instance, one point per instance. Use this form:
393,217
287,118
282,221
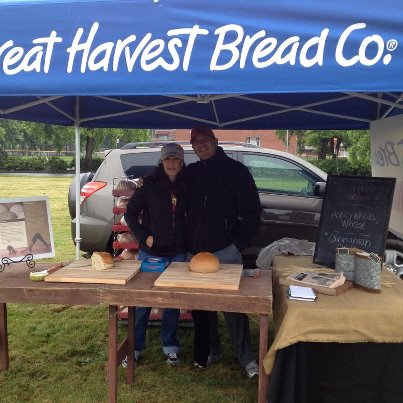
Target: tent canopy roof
176,63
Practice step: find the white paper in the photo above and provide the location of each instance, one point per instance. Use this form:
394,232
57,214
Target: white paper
301,293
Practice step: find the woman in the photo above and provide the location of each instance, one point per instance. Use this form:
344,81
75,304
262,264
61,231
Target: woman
161,233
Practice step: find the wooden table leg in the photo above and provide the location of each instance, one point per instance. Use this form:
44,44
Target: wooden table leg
130,344
112,373
263,341
3,338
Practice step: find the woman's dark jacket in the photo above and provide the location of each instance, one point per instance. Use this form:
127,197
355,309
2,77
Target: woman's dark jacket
223,204
158,220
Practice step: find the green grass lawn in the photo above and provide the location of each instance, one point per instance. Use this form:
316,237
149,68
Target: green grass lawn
58,353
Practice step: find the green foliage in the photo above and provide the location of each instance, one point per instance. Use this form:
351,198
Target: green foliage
24,164
40,136
55,164
96,162
28,164
356,142
299,134
48,164
359,148
35,163
342,166
3,157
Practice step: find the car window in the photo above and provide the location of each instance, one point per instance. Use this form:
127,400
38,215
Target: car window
139,164
190,157
278,175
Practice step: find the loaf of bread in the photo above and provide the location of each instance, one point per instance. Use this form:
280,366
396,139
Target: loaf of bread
126,184
128,254
126,237
18,210
122,201
204,262
3,209
7,216
101,261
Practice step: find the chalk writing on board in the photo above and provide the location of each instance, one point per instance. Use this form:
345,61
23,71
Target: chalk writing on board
355,213
342,240
354,219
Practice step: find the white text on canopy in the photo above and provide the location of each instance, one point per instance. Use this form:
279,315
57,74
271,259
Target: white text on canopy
233,48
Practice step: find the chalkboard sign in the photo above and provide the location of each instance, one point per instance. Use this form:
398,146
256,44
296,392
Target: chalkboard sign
355,214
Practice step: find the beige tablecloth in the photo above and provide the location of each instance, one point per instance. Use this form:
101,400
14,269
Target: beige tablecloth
355,316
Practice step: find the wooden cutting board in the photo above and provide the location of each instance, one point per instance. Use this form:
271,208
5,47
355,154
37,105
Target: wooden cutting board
179,275
80,271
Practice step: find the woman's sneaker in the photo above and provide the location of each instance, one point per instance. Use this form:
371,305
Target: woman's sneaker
137,355
196,365
173,359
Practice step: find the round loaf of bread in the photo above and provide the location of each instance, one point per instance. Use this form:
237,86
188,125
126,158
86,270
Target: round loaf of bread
122,201
126,184
126,237
128,254
204,262
101,261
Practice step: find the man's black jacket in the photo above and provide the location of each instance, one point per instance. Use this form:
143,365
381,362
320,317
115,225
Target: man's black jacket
223,204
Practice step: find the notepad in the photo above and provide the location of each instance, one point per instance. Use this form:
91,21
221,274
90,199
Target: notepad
298,293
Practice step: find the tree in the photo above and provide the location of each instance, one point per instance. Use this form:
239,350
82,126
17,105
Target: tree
12,130
328,142
95,139
320,140
42,136
2,137
299,134
358,143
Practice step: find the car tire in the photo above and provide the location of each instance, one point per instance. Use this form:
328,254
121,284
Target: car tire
394,256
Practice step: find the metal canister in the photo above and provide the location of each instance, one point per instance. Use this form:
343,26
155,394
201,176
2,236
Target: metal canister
368,268
345,262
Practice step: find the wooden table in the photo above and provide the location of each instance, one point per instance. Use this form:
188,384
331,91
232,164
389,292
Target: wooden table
253,296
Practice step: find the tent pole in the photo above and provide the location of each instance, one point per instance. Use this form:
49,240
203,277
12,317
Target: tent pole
78,187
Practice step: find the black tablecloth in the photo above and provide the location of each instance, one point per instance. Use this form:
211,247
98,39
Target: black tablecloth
338,373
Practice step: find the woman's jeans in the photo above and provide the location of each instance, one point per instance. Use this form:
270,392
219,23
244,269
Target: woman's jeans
169,317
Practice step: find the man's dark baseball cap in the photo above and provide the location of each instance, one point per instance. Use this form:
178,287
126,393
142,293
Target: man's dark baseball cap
204,131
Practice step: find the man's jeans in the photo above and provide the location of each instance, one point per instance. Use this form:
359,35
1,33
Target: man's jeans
237,323
169,318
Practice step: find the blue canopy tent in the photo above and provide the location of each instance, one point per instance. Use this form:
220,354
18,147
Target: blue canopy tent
167,63
175,63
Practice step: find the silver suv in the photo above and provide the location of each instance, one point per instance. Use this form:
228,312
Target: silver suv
290,194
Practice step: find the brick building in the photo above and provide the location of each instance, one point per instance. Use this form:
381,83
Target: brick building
262,138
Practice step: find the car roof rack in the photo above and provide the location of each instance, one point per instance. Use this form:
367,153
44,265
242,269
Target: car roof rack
154,144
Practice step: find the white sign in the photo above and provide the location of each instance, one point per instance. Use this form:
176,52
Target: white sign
25,228
387,161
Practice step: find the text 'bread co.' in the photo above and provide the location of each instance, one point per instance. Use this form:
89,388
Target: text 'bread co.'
233,48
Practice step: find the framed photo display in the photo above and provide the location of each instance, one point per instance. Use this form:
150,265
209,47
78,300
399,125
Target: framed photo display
25,228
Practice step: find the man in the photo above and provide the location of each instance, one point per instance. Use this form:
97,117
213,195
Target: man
223,214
